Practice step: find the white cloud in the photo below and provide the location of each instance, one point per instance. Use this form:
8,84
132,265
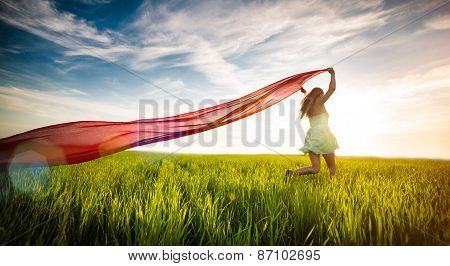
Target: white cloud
95,2
441,22
417,100
271,36
73,92
77,35
420,100
42,18
60,106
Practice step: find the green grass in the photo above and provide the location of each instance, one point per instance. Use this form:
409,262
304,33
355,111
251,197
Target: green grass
145,199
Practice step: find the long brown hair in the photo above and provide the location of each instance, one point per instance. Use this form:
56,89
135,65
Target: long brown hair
309,100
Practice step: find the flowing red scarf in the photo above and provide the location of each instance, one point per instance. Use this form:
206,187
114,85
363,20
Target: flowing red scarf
82,141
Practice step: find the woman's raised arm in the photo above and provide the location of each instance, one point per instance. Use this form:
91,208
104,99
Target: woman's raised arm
332,86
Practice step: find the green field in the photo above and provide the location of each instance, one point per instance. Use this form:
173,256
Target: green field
154,199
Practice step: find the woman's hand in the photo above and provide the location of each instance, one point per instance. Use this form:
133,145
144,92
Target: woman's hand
330,70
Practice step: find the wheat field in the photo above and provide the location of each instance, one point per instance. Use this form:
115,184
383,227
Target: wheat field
135,198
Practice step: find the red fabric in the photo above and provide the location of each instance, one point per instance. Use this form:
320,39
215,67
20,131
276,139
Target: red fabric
82,141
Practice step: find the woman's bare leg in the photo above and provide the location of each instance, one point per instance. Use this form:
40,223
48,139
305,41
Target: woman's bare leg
331,163
313,169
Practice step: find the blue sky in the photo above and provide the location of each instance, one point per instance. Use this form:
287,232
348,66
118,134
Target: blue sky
70,60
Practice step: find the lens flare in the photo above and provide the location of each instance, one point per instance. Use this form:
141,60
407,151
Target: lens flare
31,176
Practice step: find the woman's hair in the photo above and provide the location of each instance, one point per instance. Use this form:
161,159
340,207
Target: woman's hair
308,100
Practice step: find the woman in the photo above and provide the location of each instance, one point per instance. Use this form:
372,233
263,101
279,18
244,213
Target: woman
319,139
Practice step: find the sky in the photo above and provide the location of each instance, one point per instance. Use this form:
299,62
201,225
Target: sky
63,61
